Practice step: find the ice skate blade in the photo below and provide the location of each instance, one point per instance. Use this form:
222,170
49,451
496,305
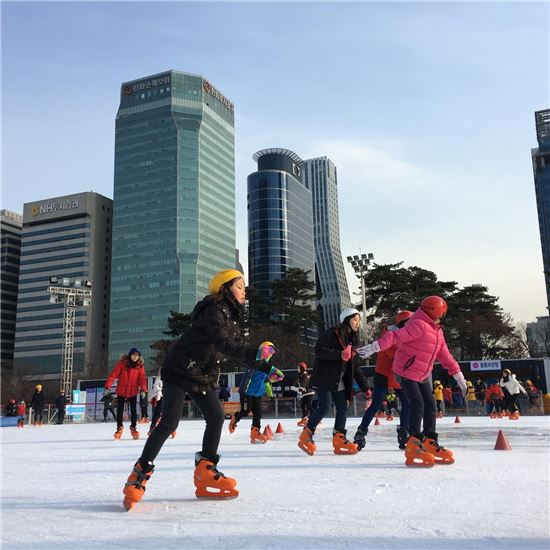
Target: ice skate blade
310,452
346,451
413,464
217,496
128,504
444,462
257,442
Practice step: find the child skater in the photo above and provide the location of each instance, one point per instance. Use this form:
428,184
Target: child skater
21,410
192,366
257,387
419,344
336,366
305,392
384,379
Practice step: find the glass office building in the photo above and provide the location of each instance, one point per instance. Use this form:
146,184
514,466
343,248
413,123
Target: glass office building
10,223
541,171
332,287
174,202
280,219
63,237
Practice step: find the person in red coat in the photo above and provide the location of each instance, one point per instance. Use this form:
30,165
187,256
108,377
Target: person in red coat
131,377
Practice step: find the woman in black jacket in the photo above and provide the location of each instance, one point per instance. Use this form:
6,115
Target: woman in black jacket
192,366
336,367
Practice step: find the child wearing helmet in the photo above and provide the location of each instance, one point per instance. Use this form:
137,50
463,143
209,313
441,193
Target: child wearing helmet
384,380
305,393
37,405
336,366
419,344
192,367
258,385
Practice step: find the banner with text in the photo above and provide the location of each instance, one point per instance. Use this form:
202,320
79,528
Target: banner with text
484,365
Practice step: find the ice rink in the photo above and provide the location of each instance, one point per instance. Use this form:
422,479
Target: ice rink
62,490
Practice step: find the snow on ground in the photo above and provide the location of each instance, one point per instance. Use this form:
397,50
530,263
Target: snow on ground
62,489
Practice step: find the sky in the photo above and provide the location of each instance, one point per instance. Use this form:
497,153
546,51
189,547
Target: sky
62,489
427,110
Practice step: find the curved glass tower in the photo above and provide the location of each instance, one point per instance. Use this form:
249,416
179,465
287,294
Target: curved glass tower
280,219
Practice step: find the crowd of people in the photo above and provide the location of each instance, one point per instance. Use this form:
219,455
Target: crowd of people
406,352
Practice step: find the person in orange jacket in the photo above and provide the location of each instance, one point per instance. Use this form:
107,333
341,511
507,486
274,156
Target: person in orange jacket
130,373
494,397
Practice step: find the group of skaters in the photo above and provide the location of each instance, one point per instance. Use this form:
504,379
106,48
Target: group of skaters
36,405
406,352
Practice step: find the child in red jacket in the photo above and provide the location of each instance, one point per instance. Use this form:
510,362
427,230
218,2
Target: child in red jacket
131,377
21,411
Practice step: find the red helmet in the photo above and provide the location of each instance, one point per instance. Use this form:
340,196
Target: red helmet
402,316
434,306
303,365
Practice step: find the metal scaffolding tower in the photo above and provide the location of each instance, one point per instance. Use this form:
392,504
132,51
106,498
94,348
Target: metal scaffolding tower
73,297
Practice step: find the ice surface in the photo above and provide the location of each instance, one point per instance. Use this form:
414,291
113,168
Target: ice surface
62,489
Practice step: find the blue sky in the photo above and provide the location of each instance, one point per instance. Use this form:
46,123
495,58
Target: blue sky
426,109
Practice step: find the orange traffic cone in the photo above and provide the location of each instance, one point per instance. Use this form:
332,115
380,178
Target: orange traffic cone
502,443
377,422
457,419
279,429
270,431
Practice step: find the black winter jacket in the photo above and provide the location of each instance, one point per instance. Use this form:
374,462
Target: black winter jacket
60,402
37,400
193,363
329,366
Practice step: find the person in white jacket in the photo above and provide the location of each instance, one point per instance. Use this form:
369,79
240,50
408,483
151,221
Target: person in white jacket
512,389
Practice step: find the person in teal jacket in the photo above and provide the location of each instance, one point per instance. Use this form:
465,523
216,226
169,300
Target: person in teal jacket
258,385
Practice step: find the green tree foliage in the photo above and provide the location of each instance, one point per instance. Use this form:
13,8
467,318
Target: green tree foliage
475,327
177,324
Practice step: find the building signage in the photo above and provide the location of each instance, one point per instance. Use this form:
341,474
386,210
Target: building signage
50,207
129,89
209,89
484,365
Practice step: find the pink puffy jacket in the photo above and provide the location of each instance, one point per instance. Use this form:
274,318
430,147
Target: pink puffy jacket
419,344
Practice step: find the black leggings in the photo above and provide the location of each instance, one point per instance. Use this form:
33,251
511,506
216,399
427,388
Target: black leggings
422,406
173,398
120,410
254,405
306,405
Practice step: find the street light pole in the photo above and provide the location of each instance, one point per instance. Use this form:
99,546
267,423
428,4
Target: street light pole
72,297
360,265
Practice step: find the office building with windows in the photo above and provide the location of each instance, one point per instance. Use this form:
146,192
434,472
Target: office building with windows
541,172
174,203
64,237
280,221
332,287
10,223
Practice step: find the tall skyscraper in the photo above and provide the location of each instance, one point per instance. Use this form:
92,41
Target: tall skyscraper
541,171
10,223
280,219
330,278
174,202
63,237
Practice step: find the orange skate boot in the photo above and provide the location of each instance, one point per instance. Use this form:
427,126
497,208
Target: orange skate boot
232,423
306,442
173,434
118,433
440,454
256,436
135,486
514,415
416,455
302,422
209,482
134,432
342,446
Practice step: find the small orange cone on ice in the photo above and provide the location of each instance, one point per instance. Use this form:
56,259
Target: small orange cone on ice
502,443
377,422
279,429
457,419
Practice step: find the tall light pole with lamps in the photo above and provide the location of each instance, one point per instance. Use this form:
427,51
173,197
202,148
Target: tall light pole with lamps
360,265
73,295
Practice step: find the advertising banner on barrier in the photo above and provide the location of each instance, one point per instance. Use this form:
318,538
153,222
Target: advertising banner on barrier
485,365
